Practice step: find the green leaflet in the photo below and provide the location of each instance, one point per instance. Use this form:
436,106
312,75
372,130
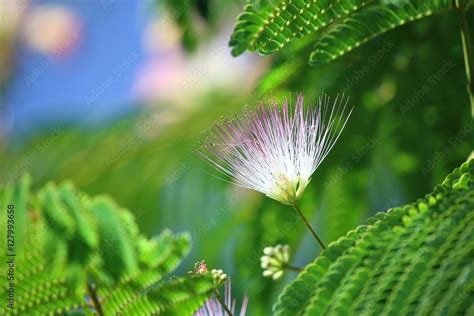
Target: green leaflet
338,26
267,28
416,259
364,25
115,247
81,240
157,258
180,296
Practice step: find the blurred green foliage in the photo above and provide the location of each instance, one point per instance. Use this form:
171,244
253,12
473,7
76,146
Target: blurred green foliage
416,259
75,254
198,19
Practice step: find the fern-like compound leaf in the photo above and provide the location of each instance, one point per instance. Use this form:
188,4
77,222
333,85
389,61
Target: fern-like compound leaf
337,26
416,259
180,296
83,243
363,25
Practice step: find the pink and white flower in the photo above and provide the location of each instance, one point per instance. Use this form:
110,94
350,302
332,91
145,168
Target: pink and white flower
275,151
213,307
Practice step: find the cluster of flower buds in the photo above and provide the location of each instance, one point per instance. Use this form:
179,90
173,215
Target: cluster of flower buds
200,267
219,275
275,260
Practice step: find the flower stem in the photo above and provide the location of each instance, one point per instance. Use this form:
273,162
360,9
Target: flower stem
95,300
467,49
293,268
298,210
221,300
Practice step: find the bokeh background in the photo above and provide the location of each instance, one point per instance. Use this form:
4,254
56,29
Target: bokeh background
115,95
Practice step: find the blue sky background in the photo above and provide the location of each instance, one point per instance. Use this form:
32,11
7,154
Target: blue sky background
93,82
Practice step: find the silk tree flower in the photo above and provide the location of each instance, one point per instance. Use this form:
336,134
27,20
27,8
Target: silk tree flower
218,306
276,151
213,307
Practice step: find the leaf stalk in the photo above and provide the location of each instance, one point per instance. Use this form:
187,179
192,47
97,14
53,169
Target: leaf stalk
95,299
313,232
221,300
467,50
